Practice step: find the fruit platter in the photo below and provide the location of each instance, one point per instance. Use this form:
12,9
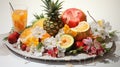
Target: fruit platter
62,35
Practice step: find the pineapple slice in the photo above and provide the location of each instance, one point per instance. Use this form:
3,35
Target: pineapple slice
27,38
39,23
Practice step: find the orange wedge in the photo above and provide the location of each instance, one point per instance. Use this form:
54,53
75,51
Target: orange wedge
46,35
68,30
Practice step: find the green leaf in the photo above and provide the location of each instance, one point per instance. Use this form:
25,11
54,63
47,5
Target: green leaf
39,46
73,52
100,39
33,22
79,49
38,16
104,45
5,39
112,33
29,26
107,49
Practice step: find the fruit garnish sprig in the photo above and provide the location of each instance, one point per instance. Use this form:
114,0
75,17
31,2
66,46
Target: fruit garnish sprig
66,34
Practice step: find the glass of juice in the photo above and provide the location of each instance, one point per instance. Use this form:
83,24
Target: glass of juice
19,17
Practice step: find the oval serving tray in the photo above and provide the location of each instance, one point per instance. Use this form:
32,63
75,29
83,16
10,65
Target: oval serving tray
78,57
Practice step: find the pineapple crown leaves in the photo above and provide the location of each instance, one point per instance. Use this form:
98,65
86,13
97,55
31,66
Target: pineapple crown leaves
52,8
38,16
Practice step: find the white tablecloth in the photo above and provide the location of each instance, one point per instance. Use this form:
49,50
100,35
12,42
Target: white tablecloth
100,9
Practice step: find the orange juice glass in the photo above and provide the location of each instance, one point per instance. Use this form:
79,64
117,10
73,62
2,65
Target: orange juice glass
19,18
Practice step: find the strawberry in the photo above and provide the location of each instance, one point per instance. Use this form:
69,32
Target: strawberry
73,16
12,38
79,44
23,47
16,34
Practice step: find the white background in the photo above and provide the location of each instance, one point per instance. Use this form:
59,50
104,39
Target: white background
100,9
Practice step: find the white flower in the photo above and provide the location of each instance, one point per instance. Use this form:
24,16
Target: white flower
61,32
38,32
32,50
39,53
50,43
61,54
61,49
101,28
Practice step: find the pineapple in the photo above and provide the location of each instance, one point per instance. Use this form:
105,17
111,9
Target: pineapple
53,22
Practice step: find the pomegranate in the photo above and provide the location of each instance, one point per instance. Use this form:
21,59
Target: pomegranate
73,16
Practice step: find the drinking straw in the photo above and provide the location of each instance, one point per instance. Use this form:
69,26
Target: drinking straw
11,6
91,17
